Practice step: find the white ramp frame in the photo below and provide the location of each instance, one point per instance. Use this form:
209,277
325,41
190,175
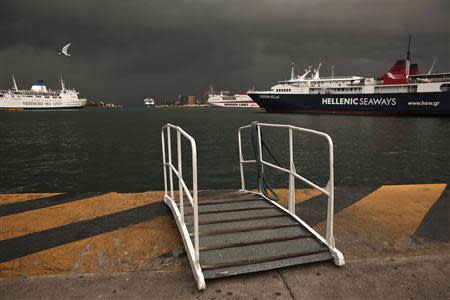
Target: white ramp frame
328,190
192,249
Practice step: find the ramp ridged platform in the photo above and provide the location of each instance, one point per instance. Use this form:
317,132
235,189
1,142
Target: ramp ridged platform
241,232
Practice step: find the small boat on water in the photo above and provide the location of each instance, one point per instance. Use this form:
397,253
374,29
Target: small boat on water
224,99
149,102
39,97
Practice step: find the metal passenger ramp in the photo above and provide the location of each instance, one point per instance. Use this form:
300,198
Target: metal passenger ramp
231,232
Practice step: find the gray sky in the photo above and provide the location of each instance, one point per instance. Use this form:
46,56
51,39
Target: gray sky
123,51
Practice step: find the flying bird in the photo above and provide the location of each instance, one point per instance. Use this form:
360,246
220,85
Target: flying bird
64,50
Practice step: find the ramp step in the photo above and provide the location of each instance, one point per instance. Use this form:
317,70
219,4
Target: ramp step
237,239
248,205
245,225
220,201
235,216
253,254
268,265
221,194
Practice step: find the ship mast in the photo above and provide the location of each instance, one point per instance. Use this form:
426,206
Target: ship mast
408,56
63,86
316,72
292,71
14,84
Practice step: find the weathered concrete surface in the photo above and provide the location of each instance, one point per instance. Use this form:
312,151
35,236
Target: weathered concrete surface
105,233
47,234
424,277
420,277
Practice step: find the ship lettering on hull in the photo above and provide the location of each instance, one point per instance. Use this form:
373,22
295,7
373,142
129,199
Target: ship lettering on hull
359,101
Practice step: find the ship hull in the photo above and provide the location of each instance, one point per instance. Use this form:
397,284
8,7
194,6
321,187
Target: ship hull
235,104
434,103
15,104
236,101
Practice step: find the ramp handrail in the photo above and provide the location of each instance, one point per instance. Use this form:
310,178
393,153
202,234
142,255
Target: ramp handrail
328,190
191,248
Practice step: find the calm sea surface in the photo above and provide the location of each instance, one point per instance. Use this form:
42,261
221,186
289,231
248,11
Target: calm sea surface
120,149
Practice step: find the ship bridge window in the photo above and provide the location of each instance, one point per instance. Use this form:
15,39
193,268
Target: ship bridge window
445,87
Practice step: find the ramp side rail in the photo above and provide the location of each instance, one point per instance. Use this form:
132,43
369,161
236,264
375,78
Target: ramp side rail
170,170
328,190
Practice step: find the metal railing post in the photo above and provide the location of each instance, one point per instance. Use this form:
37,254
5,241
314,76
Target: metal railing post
163,142
260,153
195,200
169,148
291,201
241,158
180,174
330,211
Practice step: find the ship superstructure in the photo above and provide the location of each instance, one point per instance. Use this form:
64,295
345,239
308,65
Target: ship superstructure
39,97
401,90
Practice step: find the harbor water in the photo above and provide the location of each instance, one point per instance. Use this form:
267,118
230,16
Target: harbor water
120,149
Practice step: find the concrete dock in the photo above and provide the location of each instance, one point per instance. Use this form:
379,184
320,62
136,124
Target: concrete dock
395,239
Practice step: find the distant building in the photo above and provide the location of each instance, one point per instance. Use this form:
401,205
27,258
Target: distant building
191,100
206,94
186,100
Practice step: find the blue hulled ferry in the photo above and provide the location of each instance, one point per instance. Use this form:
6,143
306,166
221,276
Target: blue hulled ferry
401,90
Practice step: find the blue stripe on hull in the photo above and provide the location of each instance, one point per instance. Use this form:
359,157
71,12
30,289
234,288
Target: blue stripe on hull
400,103
54,108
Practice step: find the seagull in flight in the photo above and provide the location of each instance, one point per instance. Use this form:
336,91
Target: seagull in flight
64,50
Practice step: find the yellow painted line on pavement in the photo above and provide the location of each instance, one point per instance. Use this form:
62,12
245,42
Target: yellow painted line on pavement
14,198
383,222
54,216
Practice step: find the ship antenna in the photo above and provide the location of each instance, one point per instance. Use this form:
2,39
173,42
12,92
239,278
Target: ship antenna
432,66
14,83
408,56
292,71
63,86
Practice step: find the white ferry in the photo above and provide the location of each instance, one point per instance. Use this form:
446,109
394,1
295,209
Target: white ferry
223,99
39,97
149,102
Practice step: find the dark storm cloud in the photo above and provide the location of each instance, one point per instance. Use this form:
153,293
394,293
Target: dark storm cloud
125,50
